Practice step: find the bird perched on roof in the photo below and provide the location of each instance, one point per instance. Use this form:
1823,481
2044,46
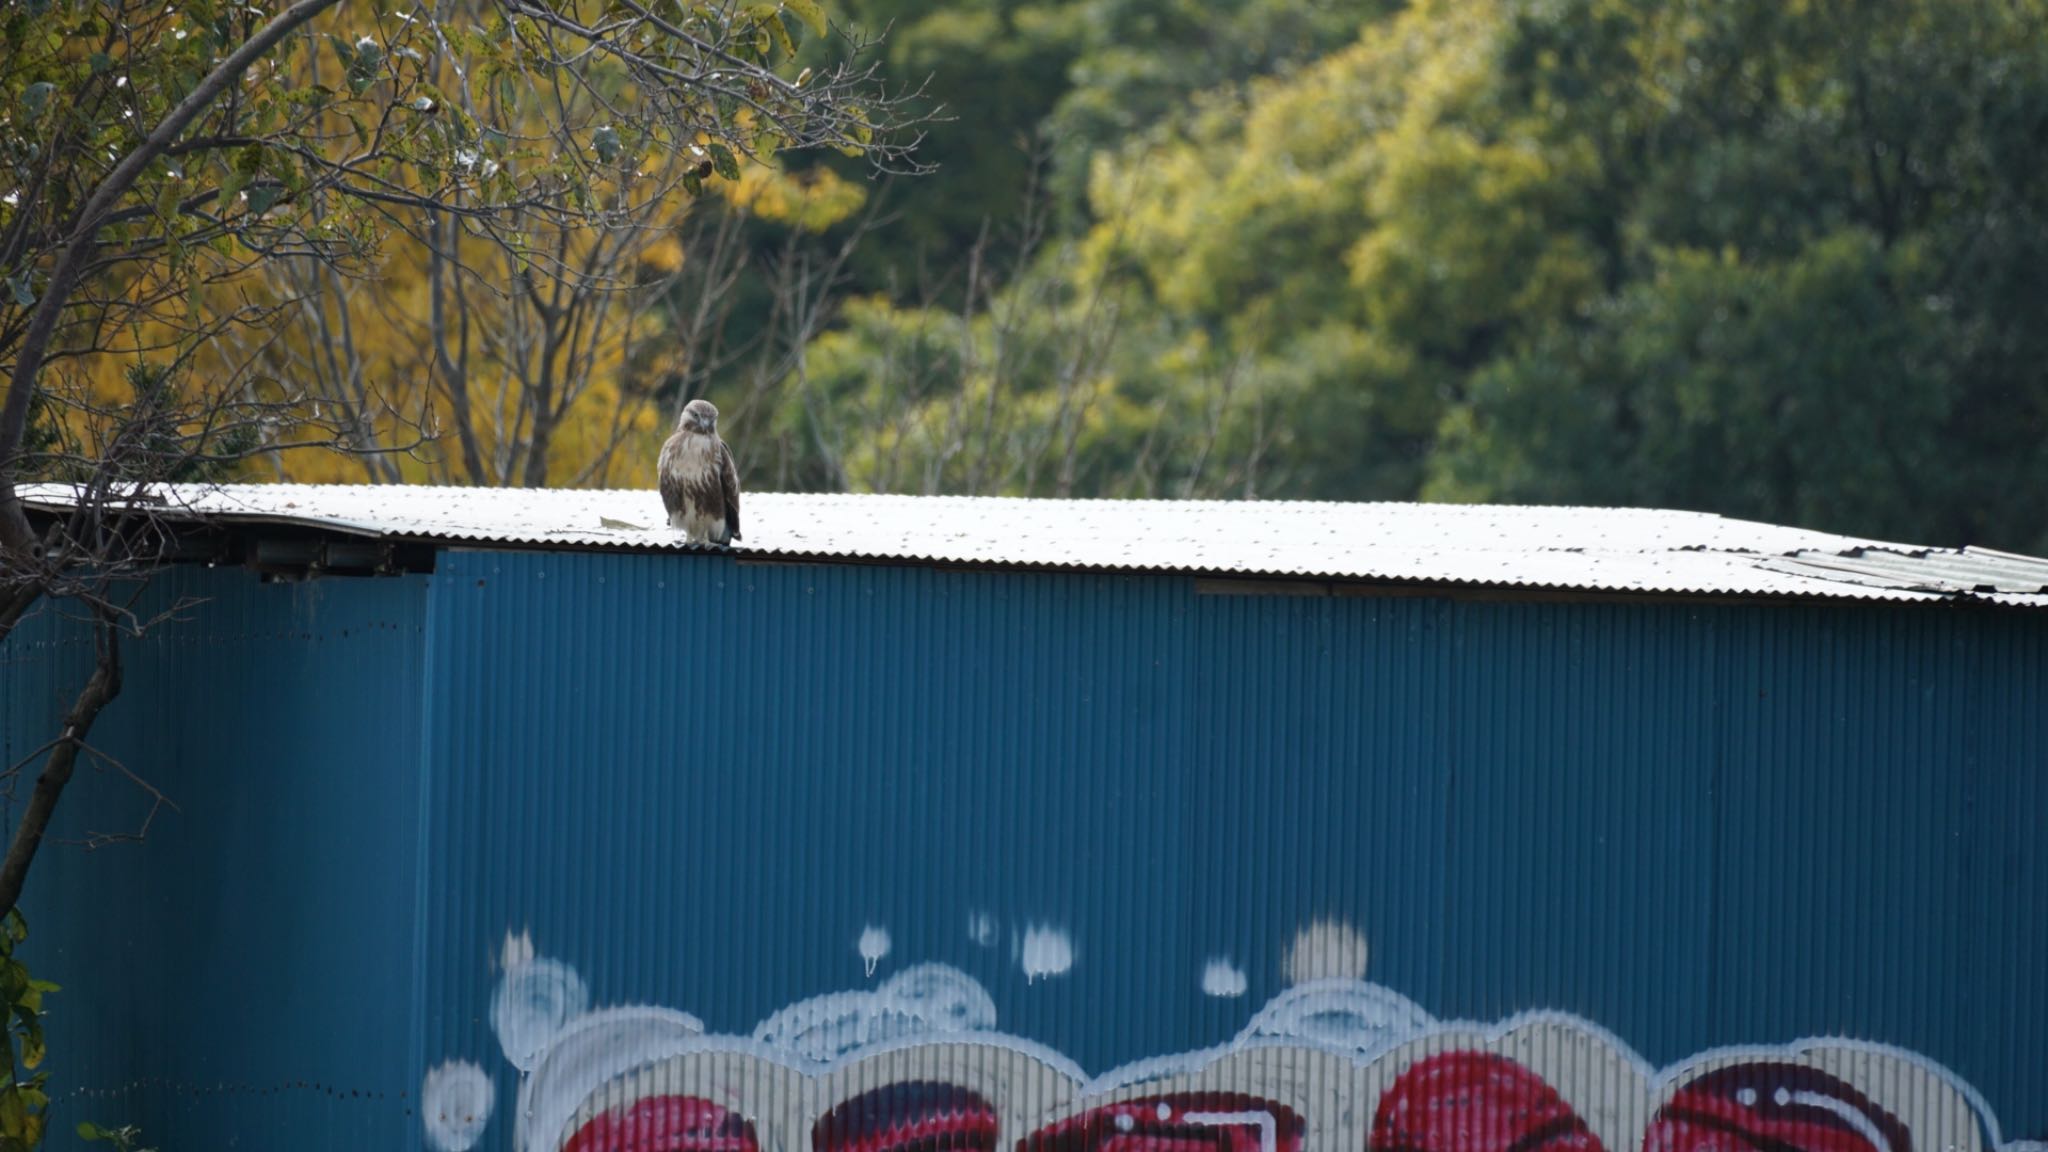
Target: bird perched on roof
700,486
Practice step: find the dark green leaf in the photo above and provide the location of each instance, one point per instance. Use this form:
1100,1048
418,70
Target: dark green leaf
727,164
780,32
809,12
36,97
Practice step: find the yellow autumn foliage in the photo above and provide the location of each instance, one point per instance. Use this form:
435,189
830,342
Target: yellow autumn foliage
365,343
529,349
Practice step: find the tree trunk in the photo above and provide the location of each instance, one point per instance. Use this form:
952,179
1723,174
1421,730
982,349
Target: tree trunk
98,692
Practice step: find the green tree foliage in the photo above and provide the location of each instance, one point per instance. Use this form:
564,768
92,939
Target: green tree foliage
1027,91
1773,258
24,1094
1827,278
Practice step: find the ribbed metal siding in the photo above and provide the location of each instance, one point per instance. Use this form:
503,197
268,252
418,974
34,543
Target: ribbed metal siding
244,977
1318,787
1692,825
699,782
696,782
1581,816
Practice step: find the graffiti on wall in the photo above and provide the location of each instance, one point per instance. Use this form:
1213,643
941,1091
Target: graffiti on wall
918,1064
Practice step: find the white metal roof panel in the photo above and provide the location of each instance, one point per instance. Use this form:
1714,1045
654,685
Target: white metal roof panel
1592,549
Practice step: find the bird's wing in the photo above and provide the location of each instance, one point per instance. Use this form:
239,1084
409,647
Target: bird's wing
729,479
669,476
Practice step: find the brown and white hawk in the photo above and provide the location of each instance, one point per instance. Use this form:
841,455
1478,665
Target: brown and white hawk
700,486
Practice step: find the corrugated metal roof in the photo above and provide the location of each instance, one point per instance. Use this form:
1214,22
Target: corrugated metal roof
1586,549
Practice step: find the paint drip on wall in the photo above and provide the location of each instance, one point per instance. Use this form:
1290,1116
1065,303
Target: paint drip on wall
1044,951
981,928
873,945
1222,979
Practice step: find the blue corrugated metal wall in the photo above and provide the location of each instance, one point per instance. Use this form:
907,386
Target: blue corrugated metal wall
247,973
698,782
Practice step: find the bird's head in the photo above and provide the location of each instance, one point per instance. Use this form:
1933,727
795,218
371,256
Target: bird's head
699,416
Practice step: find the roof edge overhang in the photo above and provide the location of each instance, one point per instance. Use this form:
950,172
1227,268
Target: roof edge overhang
282,551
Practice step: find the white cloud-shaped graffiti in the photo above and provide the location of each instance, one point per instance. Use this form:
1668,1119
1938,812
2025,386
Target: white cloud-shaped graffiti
536,997
1326,950
455,1104
923,999
584,1061
588,1051
1345,1015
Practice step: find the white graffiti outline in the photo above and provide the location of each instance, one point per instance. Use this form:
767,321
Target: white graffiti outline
930,1004
591,1050
922,1000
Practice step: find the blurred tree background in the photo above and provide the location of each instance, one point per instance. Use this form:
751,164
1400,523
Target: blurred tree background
1780,259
